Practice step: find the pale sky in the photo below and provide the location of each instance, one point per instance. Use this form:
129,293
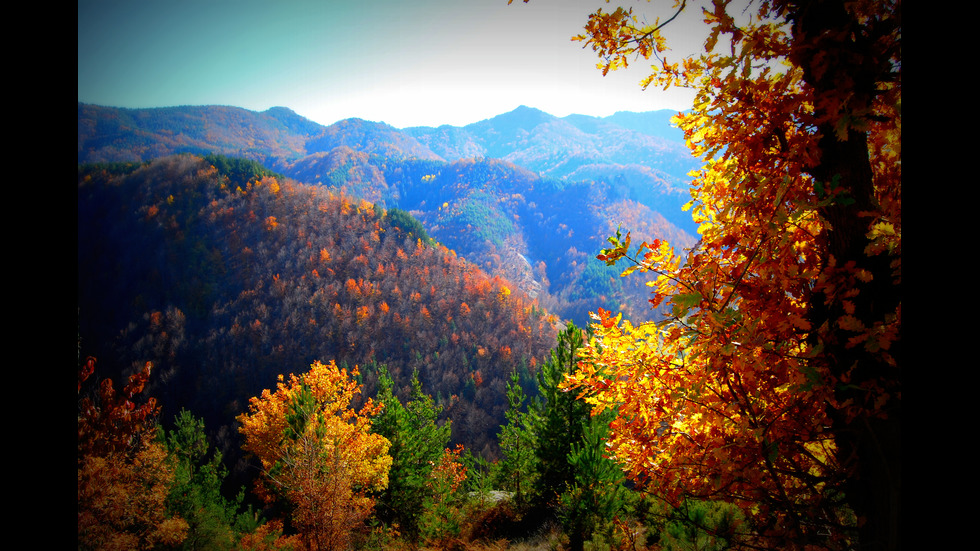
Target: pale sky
403,62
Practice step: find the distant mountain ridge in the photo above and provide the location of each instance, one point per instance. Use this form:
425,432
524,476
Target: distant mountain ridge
641,152
113,134
556,146
525,195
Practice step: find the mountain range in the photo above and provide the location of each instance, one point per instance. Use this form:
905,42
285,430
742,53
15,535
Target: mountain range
525,195
228,246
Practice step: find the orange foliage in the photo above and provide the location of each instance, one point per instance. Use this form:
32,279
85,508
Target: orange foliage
449,473
123,474
362,314
776,382
318,453
353,288
113,423
268,537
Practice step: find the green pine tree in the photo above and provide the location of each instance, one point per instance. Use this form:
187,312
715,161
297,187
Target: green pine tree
517,471
559,420
597,493
214,521
417,443
702,526
574,478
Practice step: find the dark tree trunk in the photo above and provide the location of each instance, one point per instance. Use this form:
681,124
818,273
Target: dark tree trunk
841,61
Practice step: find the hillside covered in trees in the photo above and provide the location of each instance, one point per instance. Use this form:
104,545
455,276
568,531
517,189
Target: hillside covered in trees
226,278
226,275
500,192
211,284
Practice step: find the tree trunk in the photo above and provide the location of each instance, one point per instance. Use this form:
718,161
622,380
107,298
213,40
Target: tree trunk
835,51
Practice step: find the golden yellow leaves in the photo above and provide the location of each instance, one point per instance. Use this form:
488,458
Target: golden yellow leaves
690,415
123,472
272,183
317,451
731,396
122,500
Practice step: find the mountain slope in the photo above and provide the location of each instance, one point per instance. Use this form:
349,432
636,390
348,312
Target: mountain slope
110,134
537,217
540,233
224,284
555,146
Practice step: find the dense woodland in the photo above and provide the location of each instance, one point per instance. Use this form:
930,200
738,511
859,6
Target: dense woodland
225,276
539,229
226,280
204,279
302,337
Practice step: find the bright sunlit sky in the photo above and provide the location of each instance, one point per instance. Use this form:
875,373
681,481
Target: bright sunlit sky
403,62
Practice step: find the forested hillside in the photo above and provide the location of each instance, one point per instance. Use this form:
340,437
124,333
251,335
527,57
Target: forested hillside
225,279
568,148
108,134
539,232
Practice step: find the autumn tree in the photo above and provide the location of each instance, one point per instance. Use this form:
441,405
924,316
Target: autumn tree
318,453
124,474
775,384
